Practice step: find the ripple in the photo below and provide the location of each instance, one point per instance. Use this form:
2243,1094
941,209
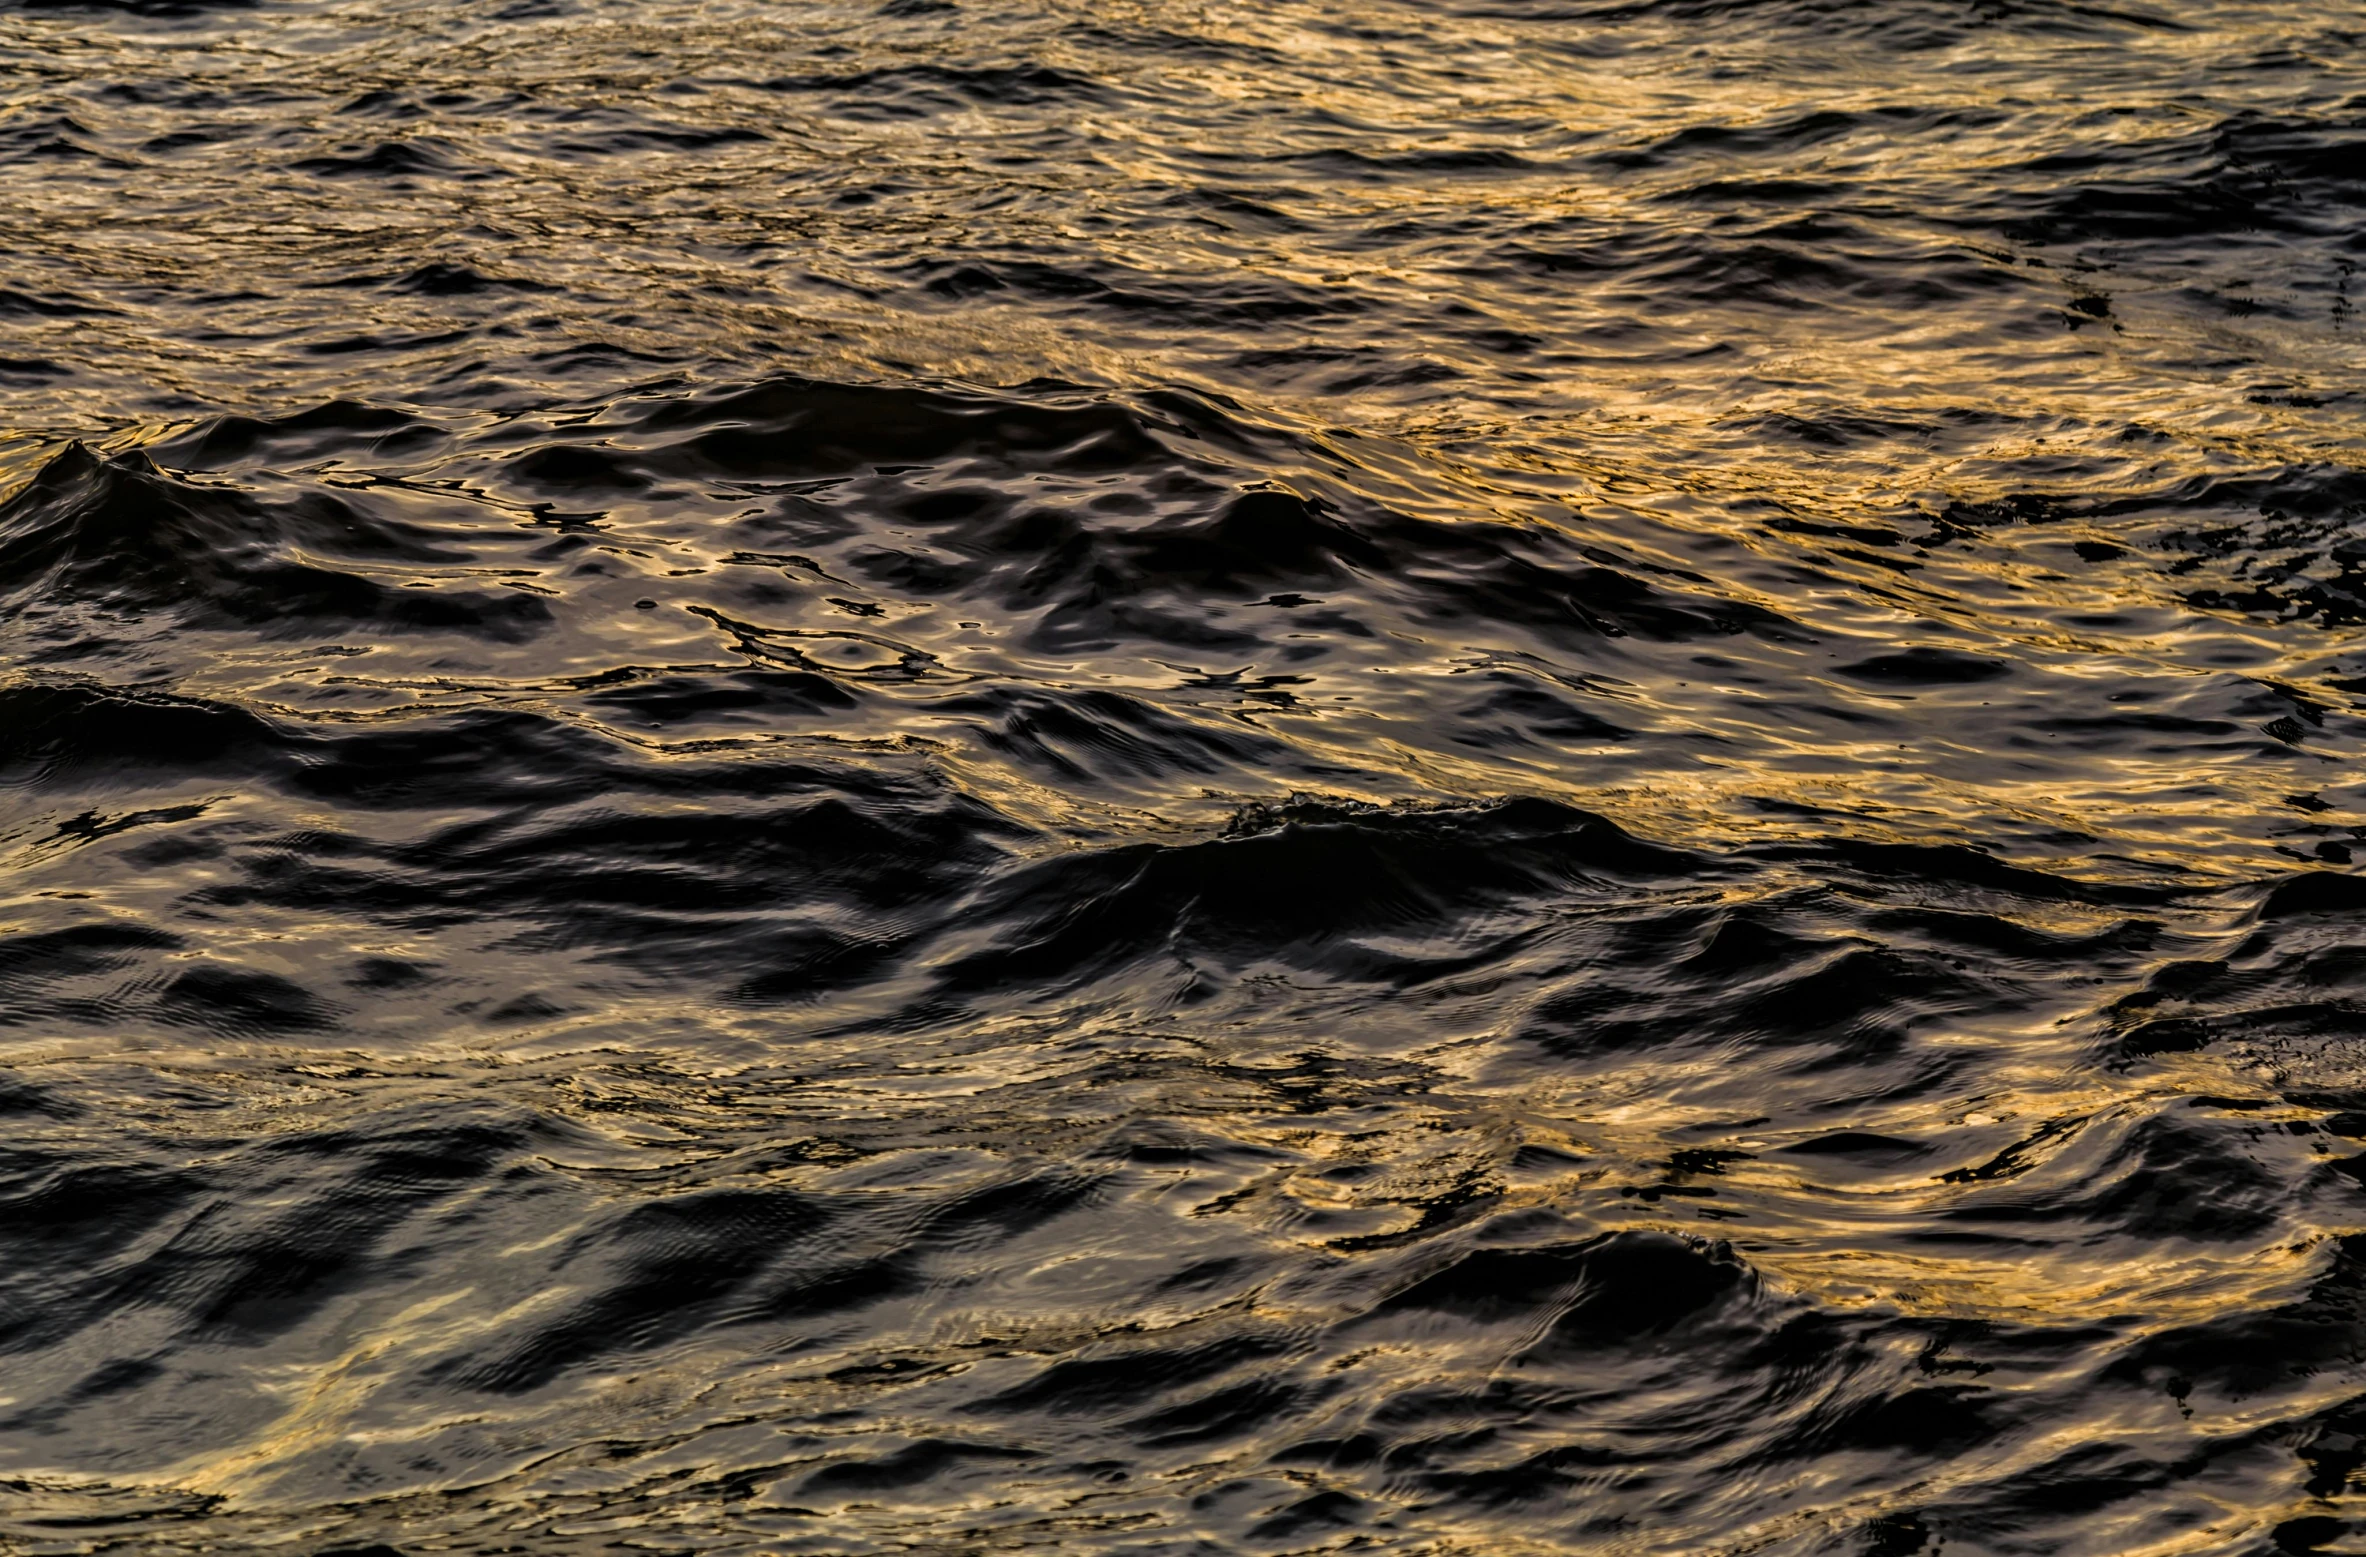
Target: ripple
956,777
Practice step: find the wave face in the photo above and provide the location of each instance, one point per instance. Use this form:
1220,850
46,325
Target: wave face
1501,776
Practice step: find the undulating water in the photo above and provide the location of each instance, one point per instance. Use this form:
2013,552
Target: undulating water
1450,778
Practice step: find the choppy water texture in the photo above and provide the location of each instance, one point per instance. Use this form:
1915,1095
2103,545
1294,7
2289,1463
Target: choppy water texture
1509,777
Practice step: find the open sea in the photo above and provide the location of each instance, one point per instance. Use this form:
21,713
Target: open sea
1145,778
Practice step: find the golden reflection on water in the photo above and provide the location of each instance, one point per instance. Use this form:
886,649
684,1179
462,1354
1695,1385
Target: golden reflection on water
1766,322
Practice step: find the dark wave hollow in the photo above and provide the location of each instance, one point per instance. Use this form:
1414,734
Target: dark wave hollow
994,776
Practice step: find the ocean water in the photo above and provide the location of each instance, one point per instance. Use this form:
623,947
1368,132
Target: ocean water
1462,779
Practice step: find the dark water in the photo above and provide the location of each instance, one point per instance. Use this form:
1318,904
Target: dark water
1141,778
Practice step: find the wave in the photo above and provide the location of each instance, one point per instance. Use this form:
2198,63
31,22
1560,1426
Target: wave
1516,777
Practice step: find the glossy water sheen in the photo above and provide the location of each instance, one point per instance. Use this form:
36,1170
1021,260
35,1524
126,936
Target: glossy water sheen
1496,778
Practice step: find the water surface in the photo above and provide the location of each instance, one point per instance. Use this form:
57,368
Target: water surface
1153,778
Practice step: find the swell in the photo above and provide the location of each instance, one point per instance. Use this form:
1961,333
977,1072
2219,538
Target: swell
947,778
1269,608
1337,1287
